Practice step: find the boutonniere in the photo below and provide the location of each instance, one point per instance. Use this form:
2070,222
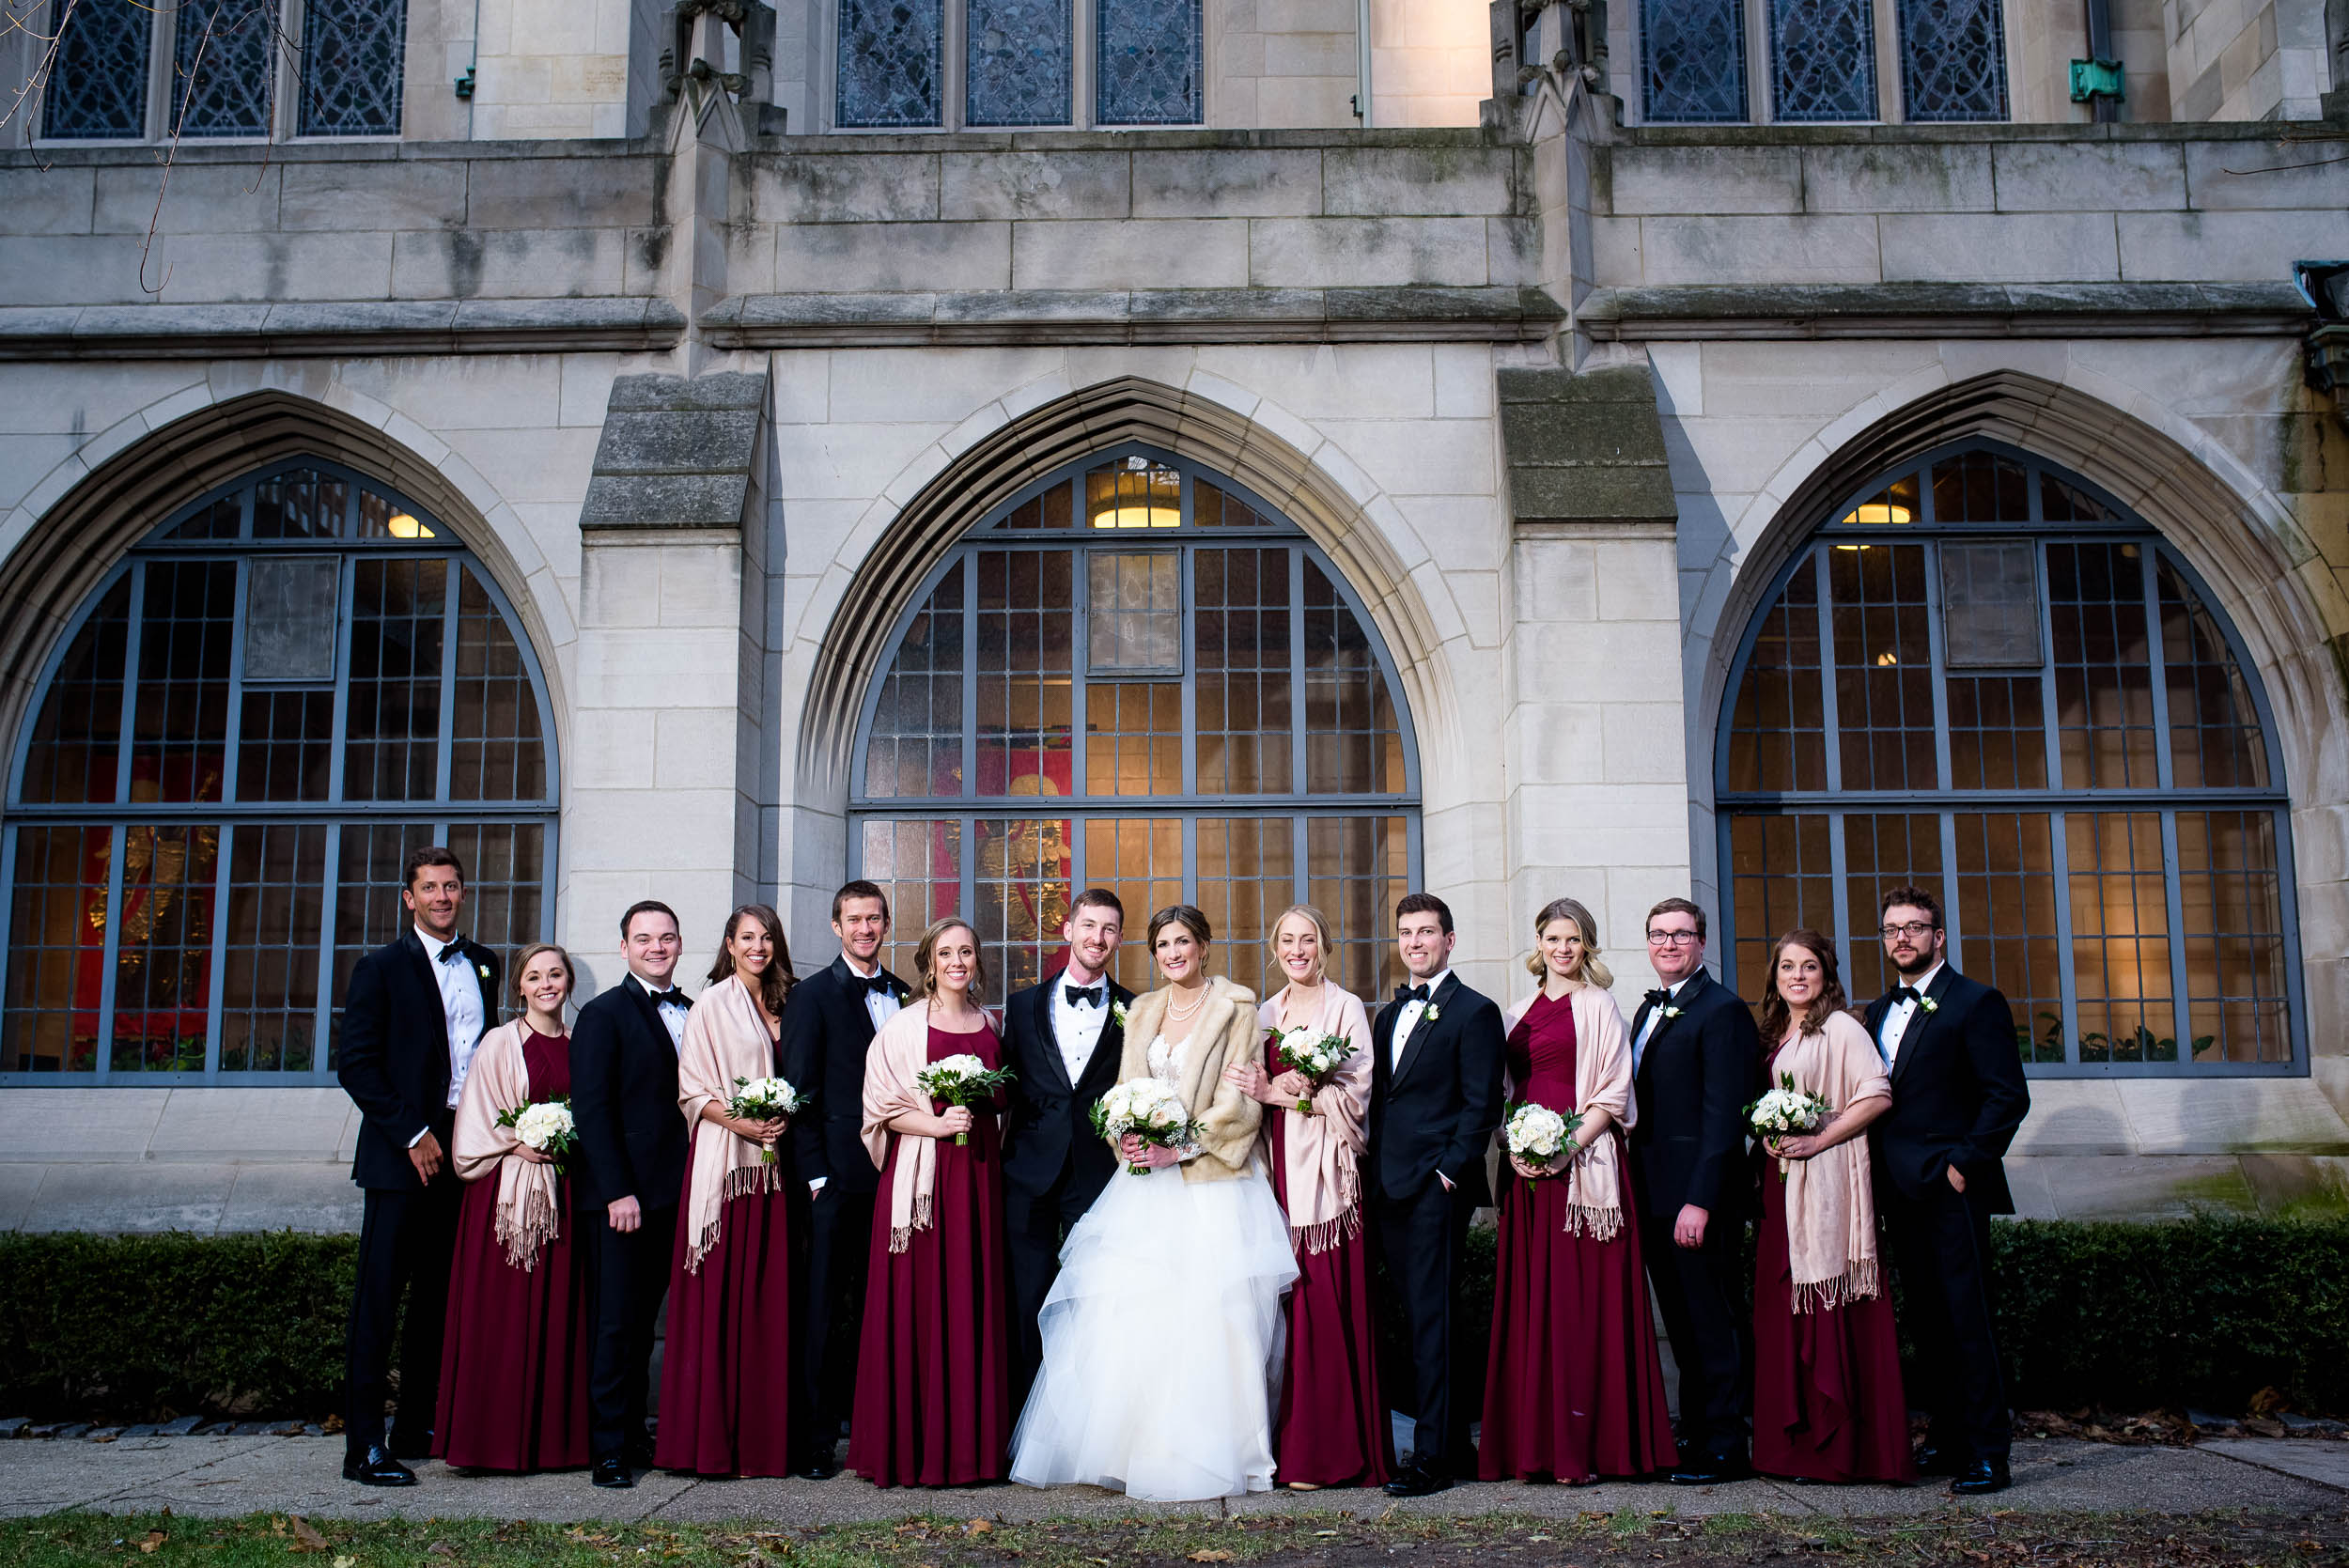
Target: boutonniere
482,969
1118,1014
1668,1012
1430,1013
1928,1004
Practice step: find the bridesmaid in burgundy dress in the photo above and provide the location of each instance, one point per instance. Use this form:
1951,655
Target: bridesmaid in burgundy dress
1574,1389
933,1393
1828,1400
727,1397
514,1363
1330,1428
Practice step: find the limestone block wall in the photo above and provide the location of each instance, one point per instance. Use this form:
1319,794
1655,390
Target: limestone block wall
2247,59
553,68
1430,61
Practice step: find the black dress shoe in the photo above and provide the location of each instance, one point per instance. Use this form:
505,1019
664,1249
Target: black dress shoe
1418,1480
1982,1476
613,1473
1712,1470
1933,1459
638,1451
377,1468
819,1467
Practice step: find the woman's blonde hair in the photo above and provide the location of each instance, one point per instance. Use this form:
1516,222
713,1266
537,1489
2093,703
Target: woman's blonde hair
1321,934
925,957
1592,970
521,962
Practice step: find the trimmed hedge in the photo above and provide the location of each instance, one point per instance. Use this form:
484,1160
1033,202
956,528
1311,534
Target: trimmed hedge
2204,1311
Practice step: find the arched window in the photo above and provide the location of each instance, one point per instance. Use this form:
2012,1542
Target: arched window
1984,676
1137,674
286,687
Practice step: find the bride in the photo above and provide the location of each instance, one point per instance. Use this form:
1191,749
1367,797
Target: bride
1162,1336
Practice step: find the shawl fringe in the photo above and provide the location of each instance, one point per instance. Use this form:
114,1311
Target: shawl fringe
1859,1283
1599,1221
901,1236
525,1225
744,1181
1318,1239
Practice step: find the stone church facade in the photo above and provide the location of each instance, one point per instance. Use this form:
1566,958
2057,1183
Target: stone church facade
1236,450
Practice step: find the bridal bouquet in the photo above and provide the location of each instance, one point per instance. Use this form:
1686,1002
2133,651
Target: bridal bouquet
1538,1134
960,1079
545,1125
763,1099
1309,1053
1786,1110
1148,1109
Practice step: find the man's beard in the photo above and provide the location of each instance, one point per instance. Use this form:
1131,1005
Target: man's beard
1923,962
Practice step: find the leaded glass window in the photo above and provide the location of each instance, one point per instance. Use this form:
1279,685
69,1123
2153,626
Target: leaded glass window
223,51
1692,63
98,81
1823,59
1137,674
1952,60
1983,678
290,685
1148,57
352,55
891,62
1018,57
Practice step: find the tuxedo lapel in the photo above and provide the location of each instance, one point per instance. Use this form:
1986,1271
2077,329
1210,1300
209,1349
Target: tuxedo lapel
1423,1032
1920,1023
429,993
646,1007
1055,1062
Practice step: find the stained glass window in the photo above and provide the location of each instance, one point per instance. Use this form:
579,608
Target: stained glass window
1017,54
98,81
891,62
1982,678
1952,60
269,704
1147,58
1823,59
223,53
352,57
1692,60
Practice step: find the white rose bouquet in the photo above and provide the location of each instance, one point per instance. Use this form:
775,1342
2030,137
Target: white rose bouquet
1148,1109
764,1099
960,1079
1785,1112
1310,1054
545,1125
1537,1135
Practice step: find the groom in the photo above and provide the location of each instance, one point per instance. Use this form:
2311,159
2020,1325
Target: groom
1435,1099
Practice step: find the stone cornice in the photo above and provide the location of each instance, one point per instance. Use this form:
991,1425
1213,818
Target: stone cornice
338,327
1649,315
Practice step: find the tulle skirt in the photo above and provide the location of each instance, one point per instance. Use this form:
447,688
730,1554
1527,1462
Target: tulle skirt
1162,1342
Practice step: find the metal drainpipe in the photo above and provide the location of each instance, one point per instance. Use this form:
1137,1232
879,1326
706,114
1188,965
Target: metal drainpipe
2106,110
1361,62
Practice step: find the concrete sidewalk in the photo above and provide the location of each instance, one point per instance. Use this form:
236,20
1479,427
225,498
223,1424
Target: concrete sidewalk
214,1476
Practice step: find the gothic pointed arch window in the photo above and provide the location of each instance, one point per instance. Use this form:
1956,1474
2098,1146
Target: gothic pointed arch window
1984,676
1137,674
281,690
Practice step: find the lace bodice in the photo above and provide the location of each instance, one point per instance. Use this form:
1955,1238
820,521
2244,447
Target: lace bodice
1166,1058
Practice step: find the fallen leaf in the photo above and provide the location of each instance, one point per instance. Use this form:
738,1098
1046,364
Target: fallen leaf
1211,1554
345,1561
978,1526
440,1548
306,1539
154,1539
1325,1532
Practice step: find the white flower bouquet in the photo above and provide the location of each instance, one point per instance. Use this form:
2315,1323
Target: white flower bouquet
1537,1135
960,1079
763,1099
1148,1109
1310,1054
1785,1112
545,1125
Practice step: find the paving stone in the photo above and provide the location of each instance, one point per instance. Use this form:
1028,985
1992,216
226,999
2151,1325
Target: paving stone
183,1427
15,1426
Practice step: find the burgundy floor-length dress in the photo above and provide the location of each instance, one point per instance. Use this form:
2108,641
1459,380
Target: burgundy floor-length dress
514,1361
1573,1387
1828,1400
1332,1428
726,1394
933,1390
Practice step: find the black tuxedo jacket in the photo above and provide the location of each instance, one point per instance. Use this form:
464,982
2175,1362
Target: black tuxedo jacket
632,1136
826,1032
1696,1077
1049,1128
392,1059
1959,1092
1438,1113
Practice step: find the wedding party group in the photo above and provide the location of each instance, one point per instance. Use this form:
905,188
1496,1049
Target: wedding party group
1148,1242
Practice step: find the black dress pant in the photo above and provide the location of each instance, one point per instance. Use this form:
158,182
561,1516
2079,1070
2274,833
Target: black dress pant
629,1272
407,1241
831,1321
1700,1292
1035,1225
1420,1239
1942,1246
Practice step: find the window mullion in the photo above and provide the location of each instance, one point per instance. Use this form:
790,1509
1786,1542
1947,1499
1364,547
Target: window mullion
449,623
2157,678
1829,721
1839,887
1299,717
2059,851
223,859
110,954
322,1026
132,638
232,728
1187,603
2173,896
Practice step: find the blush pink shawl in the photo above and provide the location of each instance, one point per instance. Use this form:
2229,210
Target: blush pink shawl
1602,1081
1831,1205
1324,1151
726,1038
528,1213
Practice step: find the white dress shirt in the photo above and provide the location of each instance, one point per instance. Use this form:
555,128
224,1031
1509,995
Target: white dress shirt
880,1006
672,1018
1077,1030
1409,1018
1898,1017
1655,1020
461,1003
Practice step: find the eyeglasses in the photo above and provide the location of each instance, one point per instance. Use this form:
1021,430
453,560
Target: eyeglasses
1673,938
1913,929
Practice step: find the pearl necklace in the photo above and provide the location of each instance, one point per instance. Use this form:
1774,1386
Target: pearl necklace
1176,1014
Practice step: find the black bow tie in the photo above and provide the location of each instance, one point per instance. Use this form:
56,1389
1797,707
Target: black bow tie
879,985
1411,993
670,998
1083,996
455,952
1907,993
1658,998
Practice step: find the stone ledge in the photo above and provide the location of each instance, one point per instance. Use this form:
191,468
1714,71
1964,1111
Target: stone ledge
992,318
1584,449
674,453
2311,132
337,328
1699,312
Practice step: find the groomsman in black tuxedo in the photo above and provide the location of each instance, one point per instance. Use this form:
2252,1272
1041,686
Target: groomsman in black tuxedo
828,1026
1958,1096
629,1175
1438,1053
1063,1040
1695,1066
414,1010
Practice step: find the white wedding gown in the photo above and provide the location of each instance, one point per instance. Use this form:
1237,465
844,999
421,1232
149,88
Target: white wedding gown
1162,1338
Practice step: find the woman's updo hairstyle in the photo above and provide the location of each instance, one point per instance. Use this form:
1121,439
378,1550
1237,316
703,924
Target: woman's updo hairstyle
1592,971
1184,915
